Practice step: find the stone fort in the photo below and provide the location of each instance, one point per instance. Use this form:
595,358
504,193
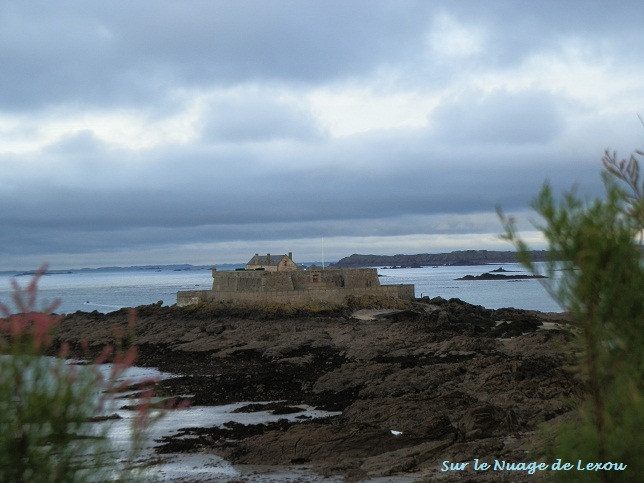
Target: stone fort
277,278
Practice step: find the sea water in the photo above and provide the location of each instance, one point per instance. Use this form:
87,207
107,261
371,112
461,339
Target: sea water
106,290
110,290
530,294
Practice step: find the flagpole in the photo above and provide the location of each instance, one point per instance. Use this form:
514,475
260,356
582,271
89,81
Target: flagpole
322,253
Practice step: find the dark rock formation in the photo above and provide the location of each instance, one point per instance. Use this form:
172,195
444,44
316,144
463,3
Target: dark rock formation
498,276
454,381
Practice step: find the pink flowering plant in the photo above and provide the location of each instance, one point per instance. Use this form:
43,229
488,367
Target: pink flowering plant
50,406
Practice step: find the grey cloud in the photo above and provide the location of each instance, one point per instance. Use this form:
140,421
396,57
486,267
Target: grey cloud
60,239
518,29
263,168
239,118
83,142
134,53
128,53
203,186
499,118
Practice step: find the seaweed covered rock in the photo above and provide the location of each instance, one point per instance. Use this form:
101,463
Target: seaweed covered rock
415,385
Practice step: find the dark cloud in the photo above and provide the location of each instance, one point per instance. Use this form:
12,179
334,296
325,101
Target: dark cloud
365,180
125,53
128,53
232,149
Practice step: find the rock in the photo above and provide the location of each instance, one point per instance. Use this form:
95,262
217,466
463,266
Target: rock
486,420
498,276
456,380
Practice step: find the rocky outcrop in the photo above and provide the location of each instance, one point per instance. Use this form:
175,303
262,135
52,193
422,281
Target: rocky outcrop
441,380
499,276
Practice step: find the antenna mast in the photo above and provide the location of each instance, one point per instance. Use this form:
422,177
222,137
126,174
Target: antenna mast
322,253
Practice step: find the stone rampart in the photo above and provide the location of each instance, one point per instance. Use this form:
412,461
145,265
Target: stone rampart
301,287
312,279
336,296
253,281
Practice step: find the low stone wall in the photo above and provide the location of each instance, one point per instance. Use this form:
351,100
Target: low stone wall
193,297
251,281
311,279
296,297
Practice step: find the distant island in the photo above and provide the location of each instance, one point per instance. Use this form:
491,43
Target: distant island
499,274
496,276
456,258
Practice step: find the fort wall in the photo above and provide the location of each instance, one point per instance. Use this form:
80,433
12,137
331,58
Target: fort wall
301,287
336,296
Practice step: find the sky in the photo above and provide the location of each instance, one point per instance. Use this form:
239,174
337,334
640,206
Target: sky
159,132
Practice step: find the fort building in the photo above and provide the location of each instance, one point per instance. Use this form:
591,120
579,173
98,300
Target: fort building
275,263
276,278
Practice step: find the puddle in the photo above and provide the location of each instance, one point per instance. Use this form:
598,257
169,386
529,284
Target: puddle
203,417
202,466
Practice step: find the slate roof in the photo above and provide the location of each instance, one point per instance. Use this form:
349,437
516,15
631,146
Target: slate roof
263,260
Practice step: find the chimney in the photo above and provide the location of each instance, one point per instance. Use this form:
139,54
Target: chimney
268,259
290,255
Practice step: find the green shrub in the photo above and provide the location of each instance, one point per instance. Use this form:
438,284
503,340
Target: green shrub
595,260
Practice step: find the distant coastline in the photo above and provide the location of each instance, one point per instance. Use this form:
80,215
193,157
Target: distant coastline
133,268
456,258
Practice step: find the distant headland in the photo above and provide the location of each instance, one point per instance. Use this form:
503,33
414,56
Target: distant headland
456,258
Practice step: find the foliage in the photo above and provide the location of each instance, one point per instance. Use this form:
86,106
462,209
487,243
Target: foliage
48,406
596,270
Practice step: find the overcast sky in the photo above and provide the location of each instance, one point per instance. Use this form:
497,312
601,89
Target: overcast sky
152,132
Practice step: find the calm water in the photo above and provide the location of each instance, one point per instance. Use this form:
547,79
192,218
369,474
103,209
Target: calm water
492,294
108,290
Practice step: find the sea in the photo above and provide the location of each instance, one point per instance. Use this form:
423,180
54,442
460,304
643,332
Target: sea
109,289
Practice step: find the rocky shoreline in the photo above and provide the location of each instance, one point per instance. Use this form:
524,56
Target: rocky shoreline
417,385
